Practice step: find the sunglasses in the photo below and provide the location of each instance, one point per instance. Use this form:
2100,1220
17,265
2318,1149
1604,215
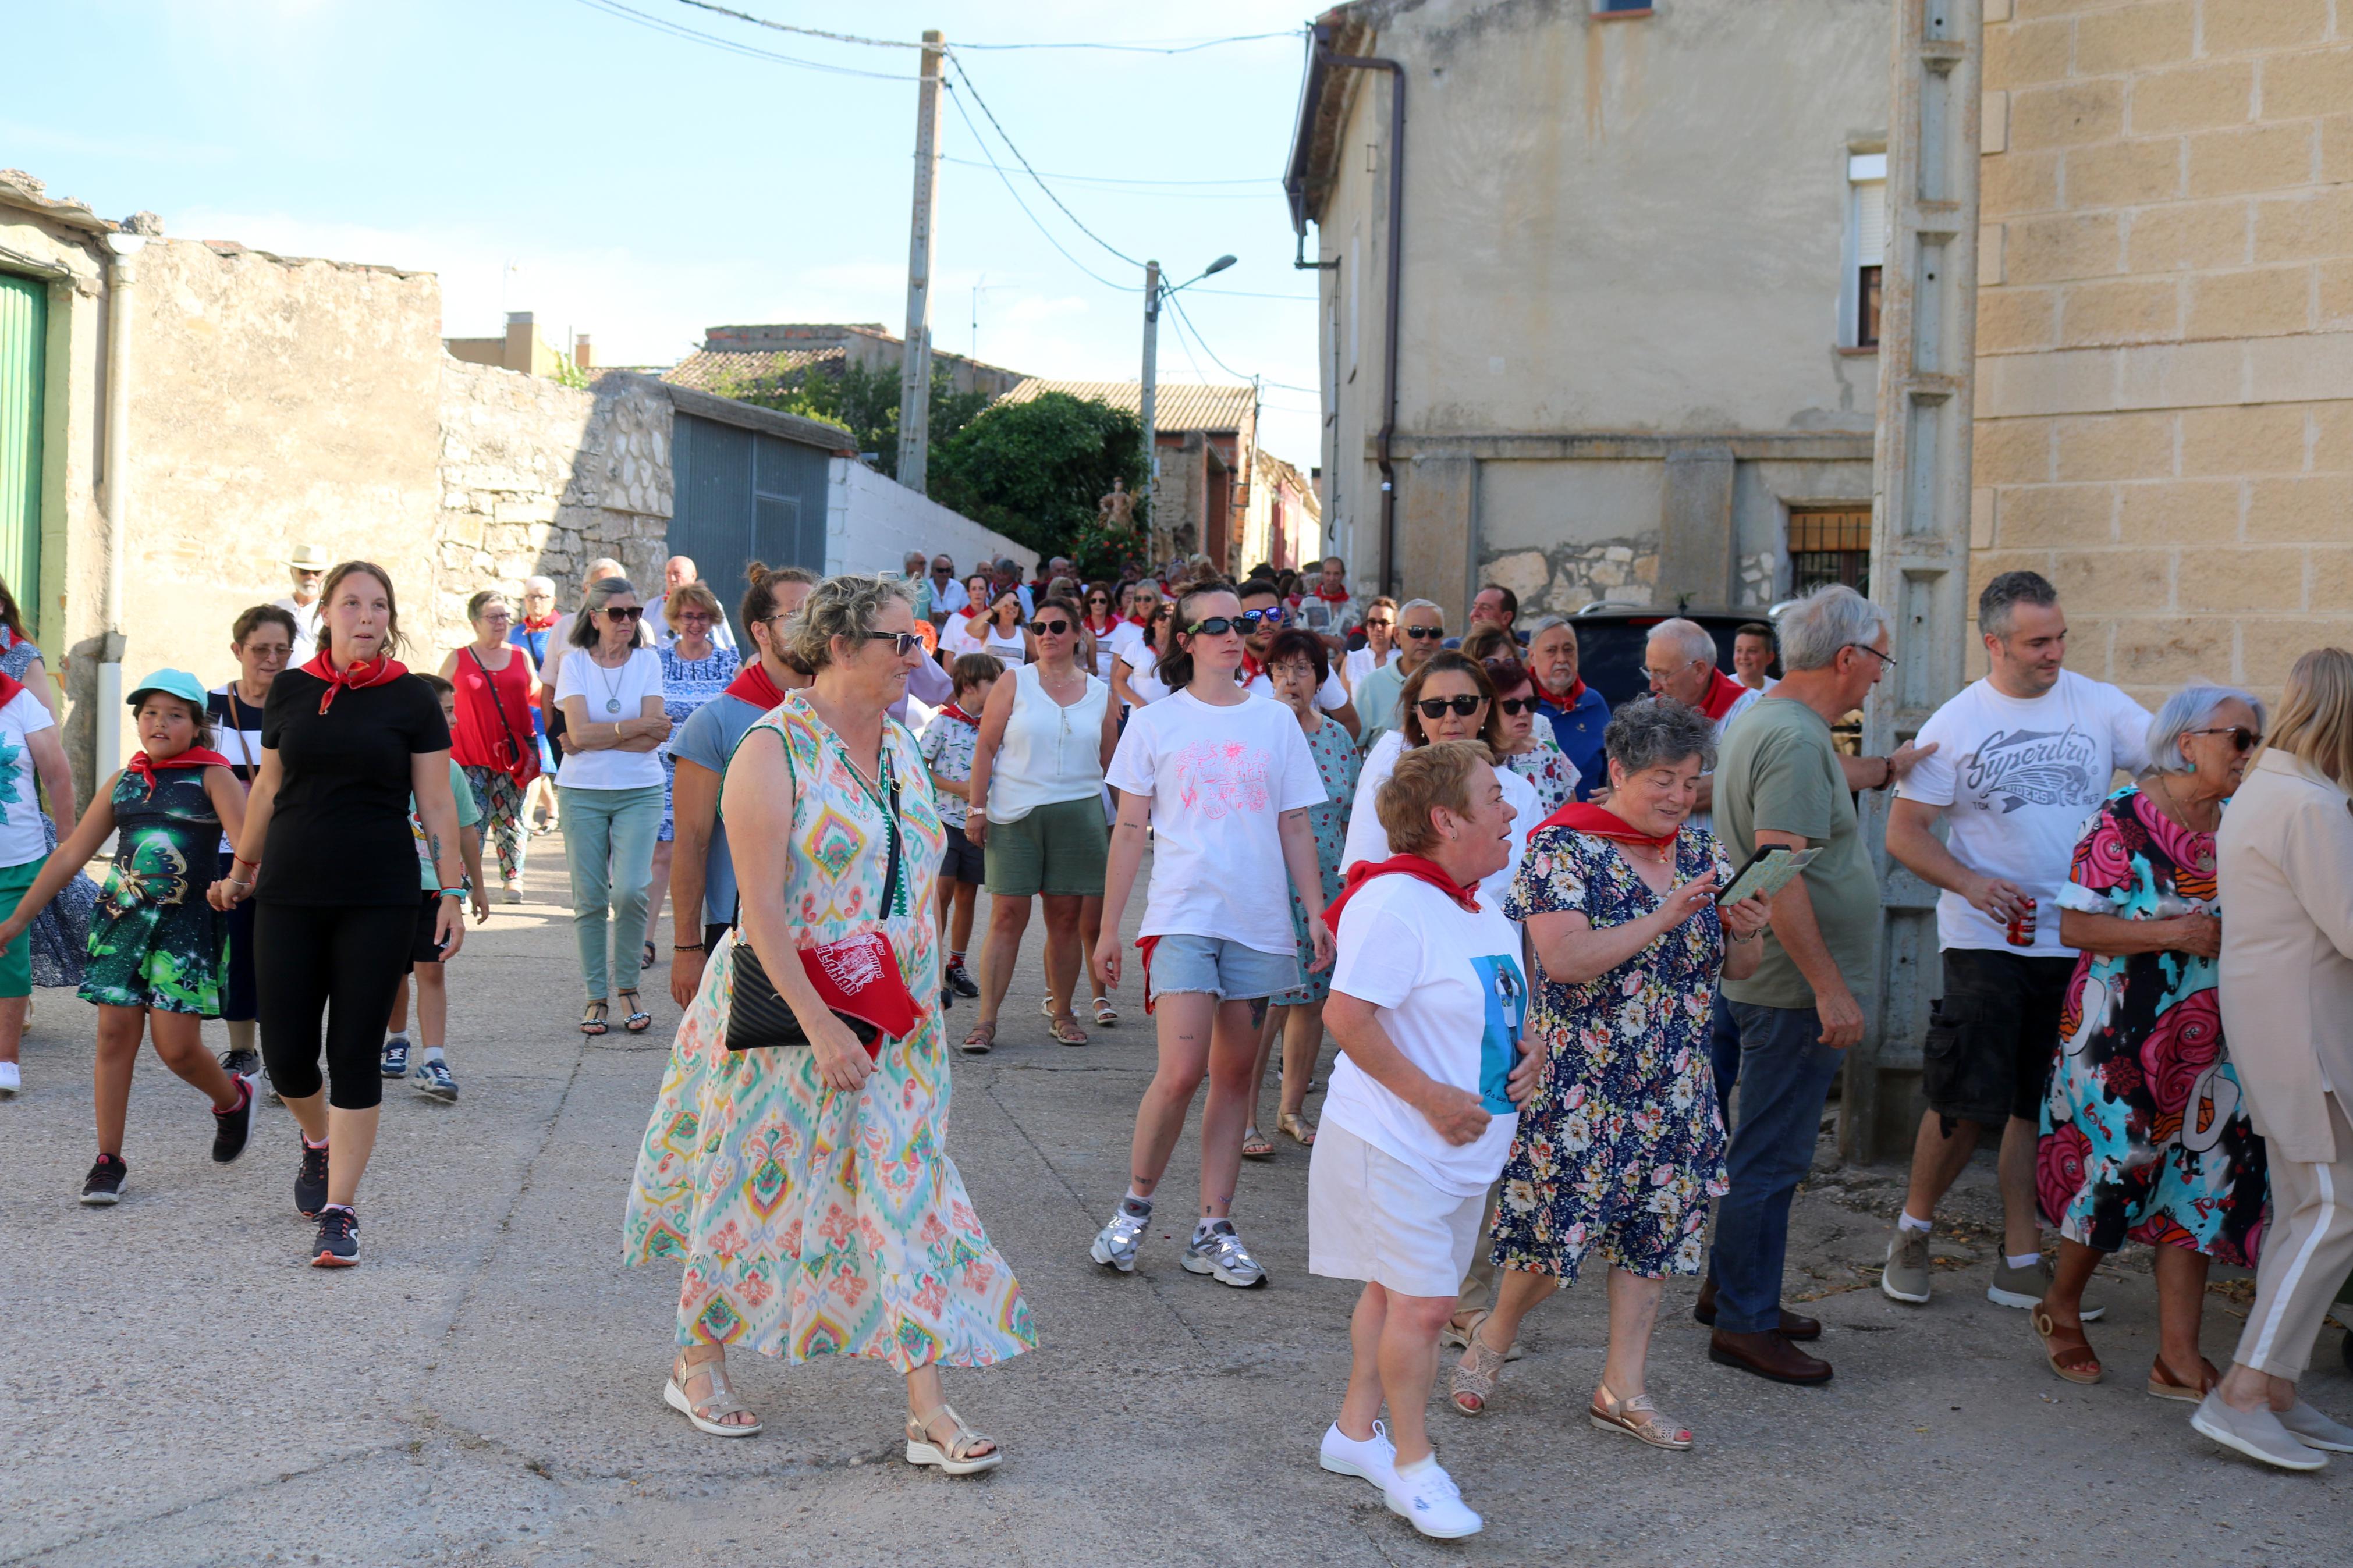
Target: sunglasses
903,643
1423,633
1050,628
1384,625
617,613
1514,706
2242,738
1435,707
1247,622
1274,616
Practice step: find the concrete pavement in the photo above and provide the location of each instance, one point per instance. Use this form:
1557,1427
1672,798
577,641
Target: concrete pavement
485,1388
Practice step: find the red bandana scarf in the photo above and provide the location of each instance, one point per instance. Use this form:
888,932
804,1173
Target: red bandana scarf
1420,867
539,622
754,684
359,673
953,711
1599,822
147,767
1566,702
1722,691
1331,596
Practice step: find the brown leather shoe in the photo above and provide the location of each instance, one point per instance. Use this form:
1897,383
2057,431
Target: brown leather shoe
1792,1327
1768,1355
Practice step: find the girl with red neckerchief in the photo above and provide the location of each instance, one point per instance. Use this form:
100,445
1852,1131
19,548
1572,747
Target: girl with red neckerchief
329,859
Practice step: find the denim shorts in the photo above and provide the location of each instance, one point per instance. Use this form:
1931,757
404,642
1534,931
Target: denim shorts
1220,966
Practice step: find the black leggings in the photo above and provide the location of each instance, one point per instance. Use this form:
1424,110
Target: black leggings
344,962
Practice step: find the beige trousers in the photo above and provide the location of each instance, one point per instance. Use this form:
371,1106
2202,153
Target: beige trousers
1478,1293
2306,1251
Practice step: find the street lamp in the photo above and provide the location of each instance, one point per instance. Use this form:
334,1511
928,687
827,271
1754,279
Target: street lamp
1154,292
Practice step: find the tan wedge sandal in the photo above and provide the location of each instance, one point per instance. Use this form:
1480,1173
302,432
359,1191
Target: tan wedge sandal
1636,1418
961,1455
1473,1387
709,1413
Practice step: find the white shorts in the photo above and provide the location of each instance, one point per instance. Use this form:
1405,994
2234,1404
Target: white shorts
1372,1216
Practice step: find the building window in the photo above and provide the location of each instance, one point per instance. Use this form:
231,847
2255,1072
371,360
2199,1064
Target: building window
1866,174
1619,8
1830,545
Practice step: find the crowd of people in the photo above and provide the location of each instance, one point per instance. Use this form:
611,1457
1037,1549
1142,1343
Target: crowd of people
1590,973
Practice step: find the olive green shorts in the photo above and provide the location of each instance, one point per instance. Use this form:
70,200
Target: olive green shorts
1057,848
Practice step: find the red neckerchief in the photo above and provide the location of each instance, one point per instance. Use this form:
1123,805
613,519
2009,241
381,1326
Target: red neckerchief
9,685
539,622
1251,669
147,767
1722,691
1566,704
1339,598
1138,620
953,711
1599,822
754,684
1420,867
1103,630
359,673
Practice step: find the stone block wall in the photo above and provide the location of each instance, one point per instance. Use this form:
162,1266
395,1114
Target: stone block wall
2165,330
1568,577
538,478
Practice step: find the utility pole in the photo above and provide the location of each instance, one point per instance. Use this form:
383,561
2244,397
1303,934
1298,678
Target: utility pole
915,366
1151,372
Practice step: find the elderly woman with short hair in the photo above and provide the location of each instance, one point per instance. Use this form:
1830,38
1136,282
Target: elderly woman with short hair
810,1192
2284,858
1622,1145
2145,1137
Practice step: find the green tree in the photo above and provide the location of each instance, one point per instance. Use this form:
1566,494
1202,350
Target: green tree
864,400
1036,471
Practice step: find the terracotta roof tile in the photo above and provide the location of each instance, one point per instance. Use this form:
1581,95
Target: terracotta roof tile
1176,405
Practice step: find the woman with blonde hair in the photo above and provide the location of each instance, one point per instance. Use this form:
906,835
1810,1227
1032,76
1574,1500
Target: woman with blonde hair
812,1196
2284,863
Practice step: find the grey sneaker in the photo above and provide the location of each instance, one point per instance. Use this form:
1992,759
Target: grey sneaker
2314,1430
2025,1288
1906,1276
2258,1434
1219,1252
1117,1243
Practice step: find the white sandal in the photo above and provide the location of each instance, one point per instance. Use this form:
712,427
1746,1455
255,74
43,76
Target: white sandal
958,1457
719,1402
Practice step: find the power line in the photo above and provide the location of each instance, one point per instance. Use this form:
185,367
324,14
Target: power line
692,35
804,32
1195,332
1158,47
958,98
966,76
1122,180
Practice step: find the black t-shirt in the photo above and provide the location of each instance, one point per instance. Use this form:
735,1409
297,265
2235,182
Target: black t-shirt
338,834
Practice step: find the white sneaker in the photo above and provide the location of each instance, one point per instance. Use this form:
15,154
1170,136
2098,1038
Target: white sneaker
1374,1460
1427,1499
12,1079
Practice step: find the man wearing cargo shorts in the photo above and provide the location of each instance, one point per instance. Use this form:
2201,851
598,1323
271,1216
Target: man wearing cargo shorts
2025,756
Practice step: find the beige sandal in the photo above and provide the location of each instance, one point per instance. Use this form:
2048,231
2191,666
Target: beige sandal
718,1402
1297,1126
1636,1418
2161,1384
961,1455
1457,1336
1473,1387
1066,1031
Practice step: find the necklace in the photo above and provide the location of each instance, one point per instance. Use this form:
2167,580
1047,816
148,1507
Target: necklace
613,687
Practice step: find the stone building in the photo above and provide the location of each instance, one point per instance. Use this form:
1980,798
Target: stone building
734,354
1631,263
2163,415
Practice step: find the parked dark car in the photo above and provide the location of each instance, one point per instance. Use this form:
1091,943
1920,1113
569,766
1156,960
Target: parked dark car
1609,640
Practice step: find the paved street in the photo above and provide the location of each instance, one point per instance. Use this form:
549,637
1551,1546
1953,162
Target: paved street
484,1390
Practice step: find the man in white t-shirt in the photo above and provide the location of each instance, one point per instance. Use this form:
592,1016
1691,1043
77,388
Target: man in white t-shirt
1680,660
308,567
1329,610
2024,757
1752,656
947,590
1259,597
30,753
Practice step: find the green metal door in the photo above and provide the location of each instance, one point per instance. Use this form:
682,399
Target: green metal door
24,318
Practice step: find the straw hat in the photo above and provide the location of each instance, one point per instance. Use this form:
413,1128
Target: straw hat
307,558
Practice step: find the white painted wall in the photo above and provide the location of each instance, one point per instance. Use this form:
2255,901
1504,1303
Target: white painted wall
872,521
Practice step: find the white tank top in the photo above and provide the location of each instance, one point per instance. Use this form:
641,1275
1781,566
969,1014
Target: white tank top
1009,650
1049,753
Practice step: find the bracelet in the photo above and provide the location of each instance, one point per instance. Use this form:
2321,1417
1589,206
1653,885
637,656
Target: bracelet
241,860
686,947
233,882
453,892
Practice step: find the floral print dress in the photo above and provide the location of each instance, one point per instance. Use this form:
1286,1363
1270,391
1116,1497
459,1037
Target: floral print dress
687,685
2144,1136
1336,764
815,1222
1547,767
156,942
1621,1144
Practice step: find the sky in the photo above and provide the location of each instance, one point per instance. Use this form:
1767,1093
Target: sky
620,181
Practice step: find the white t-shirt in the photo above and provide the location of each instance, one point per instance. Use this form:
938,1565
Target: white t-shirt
955,639
1749,697
1219,778
2019,778
1143,673
1126,638
1360,664
1368,840
612,696
306,629
22,838
1329,696
1448,991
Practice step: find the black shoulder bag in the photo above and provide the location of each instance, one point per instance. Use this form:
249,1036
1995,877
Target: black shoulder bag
514,747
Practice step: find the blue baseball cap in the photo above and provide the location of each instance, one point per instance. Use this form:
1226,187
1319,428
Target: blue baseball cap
171,683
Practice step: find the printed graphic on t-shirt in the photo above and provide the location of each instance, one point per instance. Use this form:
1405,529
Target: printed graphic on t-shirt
9,755
1220,778
2018,768
1499,1049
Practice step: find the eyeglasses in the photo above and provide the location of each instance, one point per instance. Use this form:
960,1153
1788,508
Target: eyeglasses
1435,707
1050,628
1291,669
1886,660
624,612
1514,706
1422,634
2242,738
903,643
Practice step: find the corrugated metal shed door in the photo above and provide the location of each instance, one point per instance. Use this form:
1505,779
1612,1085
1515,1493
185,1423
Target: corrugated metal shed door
741,496
23,322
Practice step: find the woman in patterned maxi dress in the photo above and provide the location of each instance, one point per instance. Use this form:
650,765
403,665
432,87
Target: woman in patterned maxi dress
808,1188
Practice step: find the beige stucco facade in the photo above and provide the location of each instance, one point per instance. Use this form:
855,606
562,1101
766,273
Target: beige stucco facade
2165,329
1625,345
